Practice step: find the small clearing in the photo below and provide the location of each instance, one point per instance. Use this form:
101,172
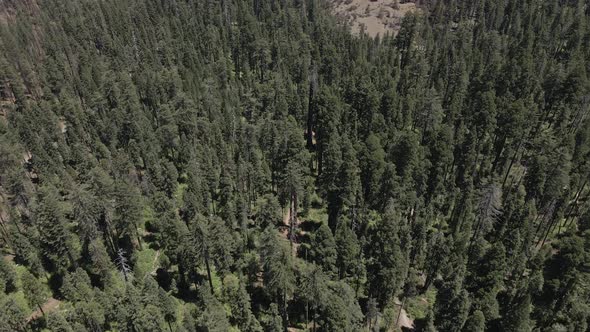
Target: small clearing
284,230
374,17
405,320
155,263
49,306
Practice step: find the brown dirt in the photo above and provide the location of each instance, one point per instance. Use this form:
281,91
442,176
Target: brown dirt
405,320
49,306
155,263
377,17
284,231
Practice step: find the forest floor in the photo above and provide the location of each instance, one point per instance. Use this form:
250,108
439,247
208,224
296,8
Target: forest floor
284,231
376,17
405,320
155,263
49,306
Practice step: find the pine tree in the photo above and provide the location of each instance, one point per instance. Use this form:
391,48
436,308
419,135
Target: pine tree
234,293
35,293
128,212
487,280
372,168
76,286
8,277
279,277
12,317
56,240
387,263
517,314
213,317
476,322
169,308
323,249
349,252
314,289
57,322
451,308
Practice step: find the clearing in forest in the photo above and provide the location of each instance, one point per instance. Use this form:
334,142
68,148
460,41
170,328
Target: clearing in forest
377,17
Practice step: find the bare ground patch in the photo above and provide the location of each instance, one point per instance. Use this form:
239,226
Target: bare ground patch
377,17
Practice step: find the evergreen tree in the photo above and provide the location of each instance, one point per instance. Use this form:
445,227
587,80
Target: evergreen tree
323,249
349,252
185,142
387,263
35,293
12,317
279,277
56,241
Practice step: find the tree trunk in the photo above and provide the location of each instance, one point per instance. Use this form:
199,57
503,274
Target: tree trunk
306,314
400,311
314,318
282,299
285,311
573,206
4,231
511,163
209,272
138,238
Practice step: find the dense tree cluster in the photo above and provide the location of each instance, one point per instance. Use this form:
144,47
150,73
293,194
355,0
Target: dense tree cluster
250,165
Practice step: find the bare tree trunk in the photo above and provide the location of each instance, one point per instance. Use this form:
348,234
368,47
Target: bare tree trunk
209,272
400,311
512,162
138,238
285,315
306,313
572,207
314,318
4,231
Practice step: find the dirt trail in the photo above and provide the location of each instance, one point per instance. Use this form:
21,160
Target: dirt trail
284,231
405,320
155,263
49,306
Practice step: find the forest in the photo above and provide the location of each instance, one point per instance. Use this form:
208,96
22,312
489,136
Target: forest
253,166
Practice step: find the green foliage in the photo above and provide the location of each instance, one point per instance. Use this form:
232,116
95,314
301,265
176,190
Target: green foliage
268,211
213,317
237,296
57,243
57,322
277,261
323,249
451,308
476,322
349,252
8,276
35,292
12,317
387,262
168,140
76,286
